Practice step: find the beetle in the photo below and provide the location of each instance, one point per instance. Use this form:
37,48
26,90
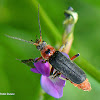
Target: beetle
63,65
58,61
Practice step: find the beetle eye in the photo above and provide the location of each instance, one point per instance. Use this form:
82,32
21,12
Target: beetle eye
48,51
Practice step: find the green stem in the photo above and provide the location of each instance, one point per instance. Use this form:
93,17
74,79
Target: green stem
41,95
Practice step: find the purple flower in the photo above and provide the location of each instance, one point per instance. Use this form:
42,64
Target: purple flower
52,86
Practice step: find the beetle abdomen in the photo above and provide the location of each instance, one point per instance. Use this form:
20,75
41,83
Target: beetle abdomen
69,69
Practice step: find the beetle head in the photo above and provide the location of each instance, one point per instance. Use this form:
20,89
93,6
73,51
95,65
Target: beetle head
40,44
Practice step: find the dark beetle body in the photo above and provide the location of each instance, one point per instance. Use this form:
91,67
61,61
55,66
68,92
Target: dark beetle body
69,69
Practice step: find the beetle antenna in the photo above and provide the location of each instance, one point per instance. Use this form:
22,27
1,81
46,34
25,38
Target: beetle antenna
39,24
31,42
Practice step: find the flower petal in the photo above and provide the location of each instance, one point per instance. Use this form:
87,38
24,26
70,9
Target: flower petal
43,68
35,70
53,87
65,54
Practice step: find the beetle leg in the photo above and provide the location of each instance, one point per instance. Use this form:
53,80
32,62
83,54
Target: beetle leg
38,59
75,56
51,71
56,74
62,77
63,46
44,61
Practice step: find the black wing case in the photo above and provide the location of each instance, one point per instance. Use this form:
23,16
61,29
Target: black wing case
69,69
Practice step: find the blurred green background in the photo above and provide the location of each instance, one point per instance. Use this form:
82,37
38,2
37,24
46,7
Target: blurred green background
19,18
